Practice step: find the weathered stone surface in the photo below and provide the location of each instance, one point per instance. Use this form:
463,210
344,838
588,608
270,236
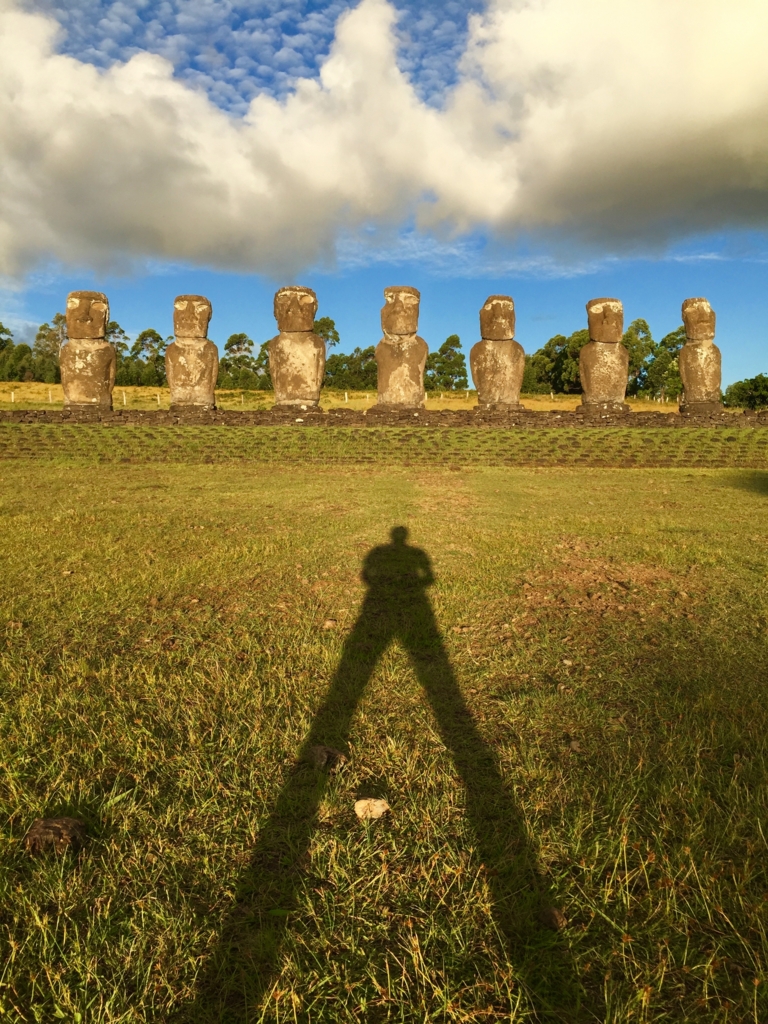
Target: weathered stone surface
700,360
295,308
604,361
55,834
401,355
497,318
400,313
191,316
497,372
497,362
88,362
606,320
192,361
297,354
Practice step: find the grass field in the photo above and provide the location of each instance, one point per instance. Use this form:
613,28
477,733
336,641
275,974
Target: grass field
33,395
558,683
745,447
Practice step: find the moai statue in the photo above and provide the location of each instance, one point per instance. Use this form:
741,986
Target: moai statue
401,355
297,354
604,361
699,360
191,360
88,361
497,362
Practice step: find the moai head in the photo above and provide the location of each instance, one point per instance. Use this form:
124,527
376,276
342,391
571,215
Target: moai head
295,308
191,316
606,320
400,313
699,320
87,315
497,318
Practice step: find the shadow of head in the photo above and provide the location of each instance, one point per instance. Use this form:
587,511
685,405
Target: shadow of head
755,480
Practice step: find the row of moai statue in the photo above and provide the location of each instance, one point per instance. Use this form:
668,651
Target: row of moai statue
297,354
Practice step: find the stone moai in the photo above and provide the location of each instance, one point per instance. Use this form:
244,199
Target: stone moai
699,360
191,360
604,361
401,355
297,354
497,362
88,361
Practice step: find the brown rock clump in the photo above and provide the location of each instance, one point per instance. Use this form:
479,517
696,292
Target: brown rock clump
297,354
88,361
604,361
401,355
55,834
191,360
497,362
700,360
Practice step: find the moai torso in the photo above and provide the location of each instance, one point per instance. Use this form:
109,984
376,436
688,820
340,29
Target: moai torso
401,355
604,361
191,360
88,362
699,359
497,362
297,354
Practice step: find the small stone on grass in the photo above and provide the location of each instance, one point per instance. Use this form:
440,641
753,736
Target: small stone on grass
321,756
551,917
370,808
58,834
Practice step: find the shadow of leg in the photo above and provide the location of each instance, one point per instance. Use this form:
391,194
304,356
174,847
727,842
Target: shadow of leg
519,893
242,968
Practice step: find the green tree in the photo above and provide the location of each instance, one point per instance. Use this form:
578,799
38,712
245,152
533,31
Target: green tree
117,337
659,376
144,365
237,367
238,350
326,328
639,343
751,393
556,365
531,383
50,338
17,363
6,338
446,369
356,371
261,369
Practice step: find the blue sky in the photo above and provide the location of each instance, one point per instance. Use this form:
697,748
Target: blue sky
435,151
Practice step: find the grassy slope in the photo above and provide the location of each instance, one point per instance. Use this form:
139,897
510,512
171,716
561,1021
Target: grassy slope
427,446
163,662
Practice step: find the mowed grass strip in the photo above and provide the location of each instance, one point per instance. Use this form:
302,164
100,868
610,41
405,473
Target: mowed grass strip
170,635
423,446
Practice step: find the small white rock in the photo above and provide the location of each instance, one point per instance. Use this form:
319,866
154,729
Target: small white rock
370,808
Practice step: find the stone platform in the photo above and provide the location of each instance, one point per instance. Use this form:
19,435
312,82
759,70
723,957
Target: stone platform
377,417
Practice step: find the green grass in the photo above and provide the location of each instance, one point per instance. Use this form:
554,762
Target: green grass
689,446
573,716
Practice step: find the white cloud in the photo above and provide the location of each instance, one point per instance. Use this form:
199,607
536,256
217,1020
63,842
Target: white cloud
611,121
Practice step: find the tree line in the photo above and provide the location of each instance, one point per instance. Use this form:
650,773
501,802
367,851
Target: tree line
554,368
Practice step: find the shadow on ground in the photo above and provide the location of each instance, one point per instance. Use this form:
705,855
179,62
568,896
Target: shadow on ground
755,481
396,606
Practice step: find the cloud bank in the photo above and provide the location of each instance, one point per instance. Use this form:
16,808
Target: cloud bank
235,49
619,123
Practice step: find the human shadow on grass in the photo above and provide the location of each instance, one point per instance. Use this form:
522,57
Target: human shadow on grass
242,969
754,480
